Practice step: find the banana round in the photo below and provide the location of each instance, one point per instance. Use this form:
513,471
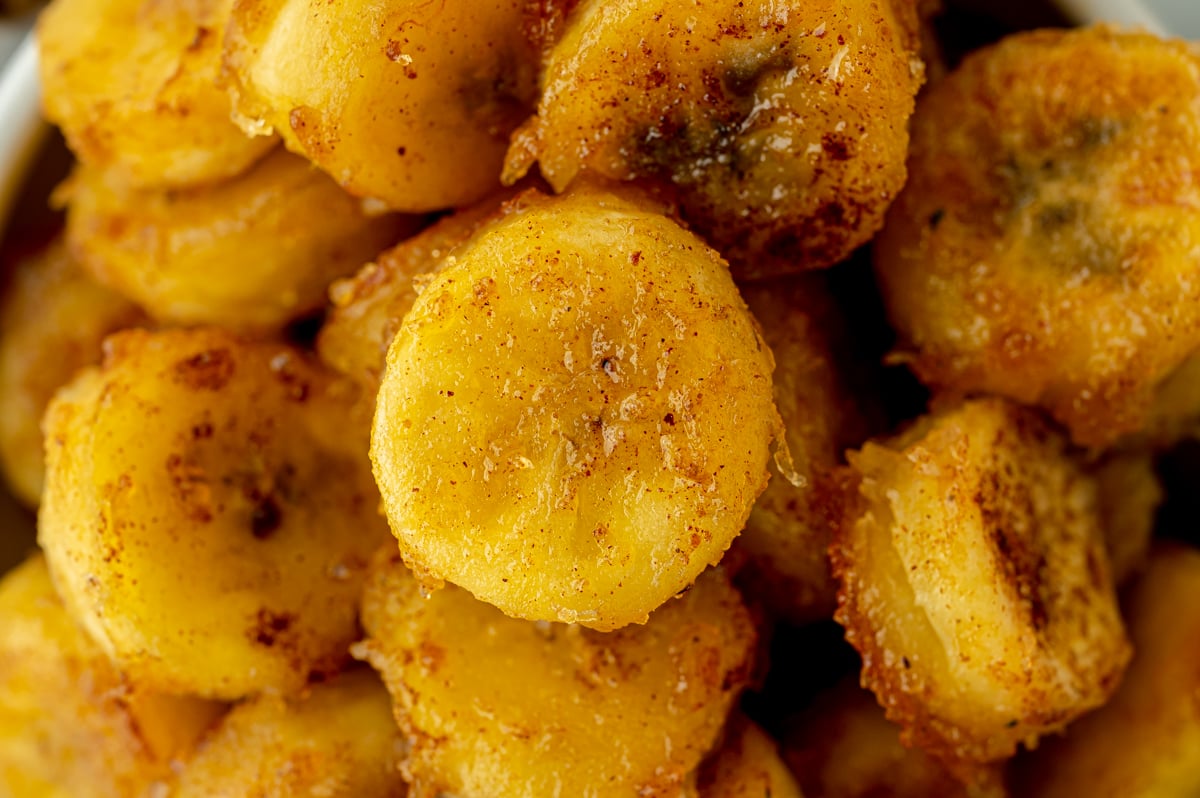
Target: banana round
576,415
783,125
788,531
253,252
747,765
336,741
407,102
1047,245
209,512
133,85
496,706
975,584
70,723
52,321
1146,741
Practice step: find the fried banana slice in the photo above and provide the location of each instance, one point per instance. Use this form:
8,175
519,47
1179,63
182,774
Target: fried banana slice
1130,494
788,532
1174,415
337,741
1045,247
132,84
254,252
209,512
747,765
783,124
1145,743
70,724
974,582
410,103
52,321
576,415
843,747
496,707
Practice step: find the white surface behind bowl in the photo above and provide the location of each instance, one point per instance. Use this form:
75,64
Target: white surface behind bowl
1122,12
1174,17
1179,17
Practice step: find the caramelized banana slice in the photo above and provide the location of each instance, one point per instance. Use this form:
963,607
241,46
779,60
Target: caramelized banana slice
1174,414
975,584
338,741
209,512
788,531
1145,743
784,124
576,414
70,724
1045,246
52,321
747,765
254,252
1130,494
497,707
843,747
407,102
132,84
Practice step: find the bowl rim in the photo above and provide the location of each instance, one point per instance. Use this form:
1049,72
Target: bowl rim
23,129
1121,12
